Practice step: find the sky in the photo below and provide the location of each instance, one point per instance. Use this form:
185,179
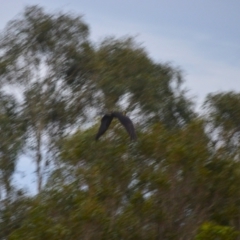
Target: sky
201,37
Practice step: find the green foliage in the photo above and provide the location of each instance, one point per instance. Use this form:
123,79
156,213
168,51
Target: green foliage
223,115
125,70
13,212
37,51
117,190
223,110
213,231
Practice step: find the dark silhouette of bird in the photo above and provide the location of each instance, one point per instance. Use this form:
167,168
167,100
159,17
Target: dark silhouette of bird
124,120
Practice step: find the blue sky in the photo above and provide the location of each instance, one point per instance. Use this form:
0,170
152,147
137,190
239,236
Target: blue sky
200,36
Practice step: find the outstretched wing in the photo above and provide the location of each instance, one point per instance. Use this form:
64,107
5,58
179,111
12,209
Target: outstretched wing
105,123
127,123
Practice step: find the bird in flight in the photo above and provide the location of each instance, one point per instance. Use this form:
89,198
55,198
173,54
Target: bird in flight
124,120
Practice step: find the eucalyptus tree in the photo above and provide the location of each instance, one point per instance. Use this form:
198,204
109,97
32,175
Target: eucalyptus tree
12,140
223,114
126,74
46,57
62,76
170,187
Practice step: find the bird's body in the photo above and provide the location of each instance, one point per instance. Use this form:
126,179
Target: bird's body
124,120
